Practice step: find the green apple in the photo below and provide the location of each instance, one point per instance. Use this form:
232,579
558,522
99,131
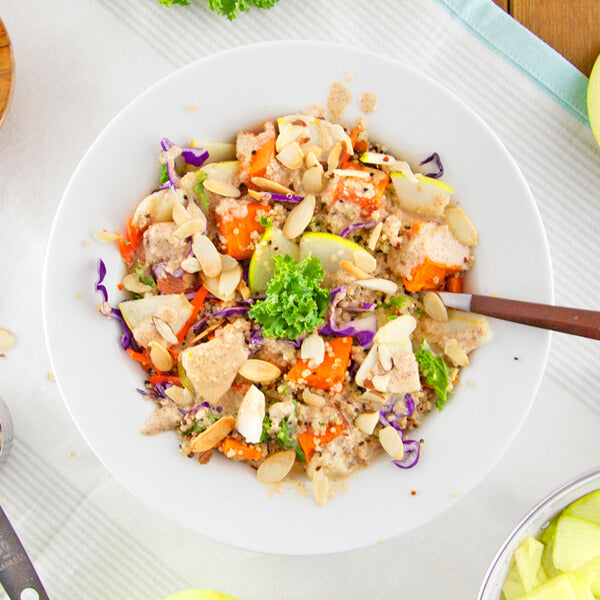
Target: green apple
561,587
547,539
528,558
375,158
217,151
201,595
593,100
330,249
513,587
261,265
587,508
186,382
226,171
136,311
576,542
427,196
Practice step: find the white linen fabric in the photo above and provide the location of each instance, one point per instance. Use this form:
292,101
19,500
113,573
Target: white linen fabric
77,64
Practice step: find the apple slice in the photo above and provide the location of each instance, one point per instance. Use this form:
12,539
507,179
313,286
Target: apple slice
217,151
427,196
587,508
528,558
136,311
261,265
513,588
330,249
201,595
576,543
593,100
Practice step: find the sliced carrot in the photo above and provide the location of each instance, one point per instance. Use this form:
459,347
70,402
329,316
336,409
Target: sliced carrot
255,163
241,234
309,440
353,136
233,448
174,379
367,193
330,374
128,246
428,275
140,357
198,304
454,283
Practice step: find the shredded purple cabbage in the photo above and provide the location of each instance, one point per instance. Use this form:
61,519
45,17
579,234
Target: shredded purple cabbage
281,197
98,286
127,339
256,339
387,416
435,158
192,156
366,225
234,310
198,407
412,450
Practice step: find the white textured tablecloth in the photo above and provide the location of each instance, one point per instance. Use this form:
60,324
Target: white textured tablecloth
78,63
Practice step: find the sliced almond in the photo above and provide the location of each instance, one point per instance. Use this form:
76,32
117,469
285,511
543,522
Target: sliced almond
7,339
461,227
374,396
244,290
131,282
160,357
165,331
385,357
391,442
228,262
379,285
339,134
455,353
320,487
276,467
213,436
352,173
312,179
207,331
207,255
222,188
229,280
104,236
313,149
289,134
365,261
299,218
396,330
251,414
353,270
311,159
191,265
367,421
381,382
271,186
212,285
191,227
180,214
291,156
333,160
434,307
259,371
181,396
374,237
313,349
256,195
312,399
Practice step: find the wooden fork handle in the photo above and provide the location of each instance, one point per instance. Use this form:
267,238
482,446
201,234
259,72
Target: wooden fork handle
585,323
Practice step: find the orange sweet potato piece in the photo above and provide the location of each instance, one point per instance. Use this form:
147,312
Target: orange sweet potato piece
241,234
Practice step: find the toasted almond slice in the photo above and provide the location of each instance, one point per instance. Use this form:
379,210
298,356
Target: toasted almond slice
320,487
381,382
251,414
313,348
271,186
207,255
290,134
228,262
455,353
256,195
312,399
104,236
191,265
204,333
291,156
374,396
312,179
396,330
367,421
229,280
160,357
339,135
259,371
461,227
191,227
374,237
222,188
333,160
7,339
365,261
311,160
276,467
379,285
385,357
212,285
215,434
180,214
353,270
244,290
434,307
299,218
181,396
132,283
313,149
352,173
165,331
391,442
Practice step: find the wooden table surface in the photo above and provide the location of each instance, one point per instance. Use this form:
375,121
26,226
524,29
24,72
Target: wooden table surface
572,27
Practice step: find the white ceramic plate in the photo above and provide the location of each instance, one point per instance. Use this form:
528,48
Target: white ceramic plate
222,500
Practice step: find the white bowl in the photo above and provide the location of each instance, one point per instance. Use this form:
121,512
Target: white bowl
536,520
238,89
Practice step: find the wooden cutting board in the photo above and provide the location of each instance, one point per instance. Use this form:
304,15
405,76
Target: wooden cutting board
7,72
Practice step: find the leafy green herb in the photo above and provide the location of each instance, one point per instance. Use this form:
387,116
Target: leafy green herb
434,371
199,189
205,422
228,8
285,438
394,305
264,221
164,174
139,271
295,300
265,436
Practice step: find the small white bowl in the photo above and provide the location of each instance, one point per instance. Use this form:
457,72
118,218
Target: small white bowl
535,522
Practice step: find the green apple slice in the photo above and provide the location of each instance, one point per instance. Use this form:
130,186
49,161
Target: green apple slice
136,311
377,158
528,558
513,588
576,543
587,508
227,171
186,382
201,595
217,151
427,196
593,100
261,265
330,249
